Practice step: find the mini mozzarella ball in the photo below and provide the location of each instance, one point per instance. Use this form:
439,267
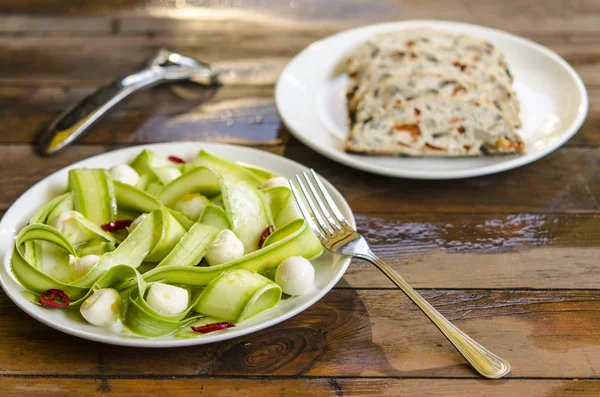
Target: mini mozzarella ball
226,247
166,299
295,275
66,224
80,267
136,222
125,174
102,308
61,220
277,181
192,205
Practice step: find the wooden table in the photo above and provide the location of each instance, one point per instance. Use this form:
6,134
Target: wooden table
513,259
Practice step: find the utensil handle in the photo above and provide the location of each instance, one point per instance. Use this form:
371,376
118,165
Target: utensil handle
482,360
75,121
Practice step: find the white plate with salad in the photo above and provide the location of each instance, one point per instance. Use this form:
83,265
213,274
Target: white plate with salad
166,245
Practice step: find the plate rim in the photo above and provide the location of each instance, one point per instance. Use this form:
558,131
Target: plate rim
356,162
23,304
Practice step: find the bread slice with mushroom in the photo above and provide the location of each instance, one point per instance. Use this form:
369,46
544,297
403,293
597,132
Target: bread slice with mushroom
398,89
436,126
469,49
386,67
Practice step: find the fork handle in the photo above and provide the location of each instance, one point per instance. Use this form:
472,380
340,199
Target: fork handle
481,359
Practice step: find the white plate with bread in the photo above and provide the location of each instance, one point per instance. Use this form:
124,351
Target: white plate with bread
431,99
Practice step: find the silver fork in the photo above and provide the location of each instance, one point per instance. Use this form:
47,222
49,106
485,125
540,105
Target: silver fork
330,226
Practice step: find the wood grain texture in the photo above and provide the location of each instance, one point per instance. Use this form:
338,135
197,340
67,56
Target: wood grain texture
31,60
231,114
368,333
235,113
511,258
319,387
481,250
553,17
565,181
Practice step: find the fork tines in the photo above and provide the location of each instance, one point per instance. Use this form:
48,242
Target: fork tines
320,208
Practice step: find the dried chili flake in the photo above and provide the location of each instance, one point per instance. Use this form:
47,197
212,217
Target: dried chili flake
175,159
459,90
116,225
205,329
432,147
412,129
54,298
266,233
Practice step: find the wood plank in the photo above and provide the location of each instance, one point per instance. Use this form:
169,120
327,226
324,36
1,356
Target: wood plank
565,181
371,333
497,252
481,250
27,24
234,113
169,16
319,387
64,59
60,59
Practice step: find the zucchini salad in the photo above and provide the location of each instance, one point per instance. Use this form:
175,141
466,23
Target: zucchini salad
162,246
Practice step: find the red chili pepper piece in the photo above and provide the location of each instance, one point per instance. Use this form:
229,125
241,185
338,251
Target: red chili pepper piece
116,225
54,298
205,329
176,159
266,233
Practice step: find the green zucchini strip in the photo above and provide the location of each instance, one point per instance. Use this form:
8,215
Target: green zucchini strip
282,205
33,252
93,194
238,294
43,214
245,207
293,239
132,251
228,168
199,180
260,172
215,217
132,198
65,205
192,247
33,278
183,220
92,229
141,319
171,233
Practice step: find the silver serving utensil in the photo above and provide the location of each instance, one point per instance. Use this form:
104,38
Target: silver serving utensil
330,226
166,66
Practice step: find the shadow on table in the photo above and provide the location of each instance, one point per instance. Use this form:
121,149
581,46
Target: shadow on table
333,337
